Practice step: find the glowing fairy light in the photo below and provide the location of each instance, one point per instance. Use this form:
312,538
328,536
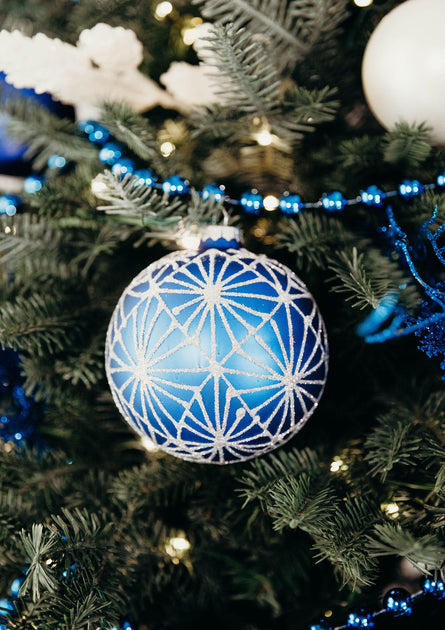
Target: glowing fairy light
363,3
264,138
177,546
148,444
270,203
391,509
163,9
336,464
167,148
98,186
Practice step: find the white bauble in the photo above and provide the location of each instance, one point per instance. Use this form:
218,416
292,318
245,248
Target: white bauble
403,69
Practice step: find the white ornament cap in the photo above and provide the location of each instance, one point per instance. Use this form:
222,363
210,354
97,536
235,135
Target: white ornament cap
221,237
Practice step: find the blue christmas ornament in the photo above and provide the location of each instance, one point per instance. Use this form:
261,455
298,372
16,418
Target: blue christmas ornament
175,185
410,188
434,587
252,202
33,184
6,608
334,201
145,177
290,204
359,619
398,602
372,196
122,167
218,355
217,192
9,204
15,586
18,412
110,153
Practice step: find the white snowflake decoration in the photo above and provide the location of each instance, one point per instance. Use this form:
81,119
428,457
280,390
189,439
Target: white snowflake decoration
216,356
102,67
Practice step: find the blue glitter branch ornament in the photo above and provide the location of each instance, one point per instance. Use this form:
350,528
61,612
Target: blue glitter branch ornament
390,321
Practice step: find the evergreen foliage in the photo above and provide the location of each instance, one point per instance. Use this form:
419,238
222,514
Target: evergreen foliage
101,527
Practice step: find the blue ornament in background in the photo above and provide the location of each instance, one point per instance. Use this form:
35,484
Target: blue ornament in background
290,204
12,152
110,153
372,196
6,608
218,355
434,587
410,188
252,202
323,624
145,177
398,602
18,412
359,619
175,185
334,201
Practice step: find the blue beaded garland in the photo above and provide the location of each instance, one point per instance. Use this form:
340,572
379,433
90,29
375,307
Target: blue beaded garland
434,587
210,190
217,356
175,185
33,184
333,201
398,602
410,188
110,153
9,204
145,177
372,196
359,619
252,202
123,167
290,204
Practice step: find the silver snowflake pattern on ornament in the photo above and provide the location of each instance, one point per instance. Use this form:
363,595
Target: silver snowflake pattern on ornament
217,356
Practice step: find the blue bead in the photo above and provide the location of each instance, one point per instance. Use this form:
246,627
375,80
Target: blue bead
434,587
15,586
9,204
33,184
252,202
145,177
290,204
333,201
359,619
321,625
175,185
110,153
372,196
217,192
398,602
123,167
56,161
97,133
440,180
410,188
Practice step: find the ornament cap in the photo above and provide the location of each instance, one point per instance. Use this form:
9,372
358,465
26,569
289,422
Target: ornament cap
220,237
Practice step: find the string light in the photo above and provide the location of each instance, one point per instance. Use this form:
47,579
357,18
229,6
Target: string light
336,464
391,509
98,186
264,138
167,148
163,9
148,444
270,203
177,546
363,3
